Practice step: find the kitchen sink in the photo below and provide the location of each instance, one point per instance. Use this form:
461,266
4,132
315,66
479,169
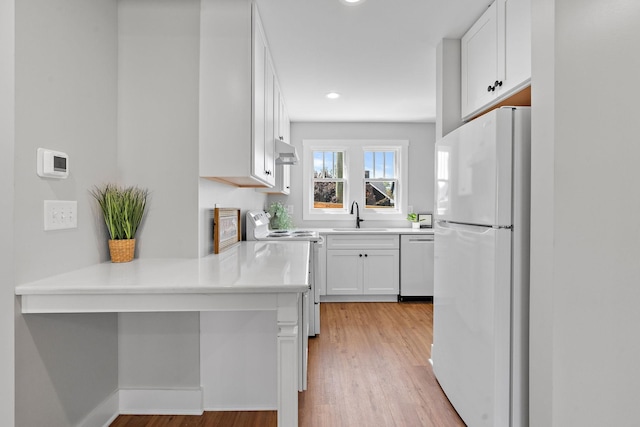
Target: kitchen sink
359,229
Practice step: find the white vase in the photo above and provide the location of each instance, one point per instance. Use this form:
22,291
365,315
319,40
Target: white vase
415,225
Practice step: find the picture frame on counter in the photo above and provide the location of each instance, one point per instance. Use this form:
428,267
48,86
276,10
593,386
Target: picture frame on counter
226,228
425,220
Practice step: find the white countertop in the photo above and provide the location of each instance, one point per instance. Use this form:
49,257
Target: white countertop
249,267
247,277
374,230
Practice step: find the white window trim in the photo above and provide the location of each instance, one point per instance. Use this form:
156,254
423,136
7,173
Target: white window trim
354,179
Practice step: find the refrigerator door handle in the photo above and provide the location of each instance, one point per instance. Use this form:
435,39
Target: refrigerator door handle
471,228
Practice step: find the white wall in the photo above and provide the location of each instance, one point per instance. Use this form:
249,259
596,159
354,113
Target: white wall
542,212
586,243
66,85
158,111
7,132
448,77
212,193
158,72
421,137
67,93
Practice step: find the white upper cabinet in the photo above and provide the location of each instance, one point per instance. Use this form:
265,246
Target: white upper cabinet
236,96
517,45
496,55
479,61
269,166
278,121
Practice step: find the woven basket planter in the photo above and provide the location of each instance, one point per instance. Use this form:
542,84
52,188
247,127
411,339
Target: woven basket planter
122,250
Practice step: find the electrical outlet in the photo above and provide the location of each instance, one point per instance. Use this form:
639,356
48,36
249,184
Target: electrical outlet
290,209
60,214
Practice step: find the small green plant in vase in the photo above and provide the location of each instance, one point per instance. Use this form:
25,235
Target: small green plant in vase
123,209
280,219
413,218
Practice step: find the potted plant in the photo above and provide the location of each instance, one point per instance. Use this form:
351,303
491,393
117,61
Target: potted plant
280,219
413,218
123,209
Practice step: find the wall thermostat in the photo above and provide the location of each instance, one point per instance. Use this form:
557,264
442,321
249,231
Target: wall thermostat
52,164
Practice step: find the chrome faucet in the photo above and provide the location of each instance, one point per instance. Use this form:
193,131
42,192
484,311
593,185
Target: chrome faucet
358,219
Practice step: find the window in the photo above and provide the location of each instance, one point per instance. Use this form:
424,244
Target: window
338,173
442,179
328,179
380,179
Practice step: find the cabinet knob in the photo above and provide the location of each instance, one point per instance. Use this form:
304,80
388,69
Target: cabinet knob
360,255
366,255
490,89
497,83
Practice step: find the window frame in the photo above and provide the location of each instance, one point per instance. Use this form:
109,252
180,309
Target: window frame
344,179
397,169
354,179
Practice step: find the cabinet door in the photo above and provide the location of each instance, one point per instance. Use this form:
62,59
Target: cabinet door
516,71
381,272
259,101
285,178
269,141
283,172
287,127
344,272
479,62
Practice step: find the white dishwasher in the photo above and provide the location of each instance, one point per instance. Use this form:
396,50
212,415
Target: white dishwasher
416,266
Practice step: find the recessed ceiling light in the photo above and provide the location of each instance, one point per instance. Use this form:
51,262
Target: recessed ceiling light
333,95
352,2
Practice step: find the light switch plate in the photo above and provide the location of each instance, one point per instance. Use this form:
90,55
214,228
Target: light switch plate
60,214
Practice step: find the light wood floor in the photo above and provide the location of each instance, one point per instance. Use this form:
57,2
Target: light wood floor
368,367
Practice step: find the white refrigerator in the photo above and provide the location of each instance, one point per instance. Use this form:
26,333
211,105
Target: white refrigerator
481,268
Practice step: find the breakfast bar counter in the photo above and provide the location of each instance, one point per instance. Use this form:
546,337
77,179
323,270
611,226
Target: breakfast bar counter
250,276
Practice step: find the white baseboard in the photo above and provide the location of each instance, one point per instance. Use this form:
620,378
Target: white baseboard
161,401
104,414
358,298
242,408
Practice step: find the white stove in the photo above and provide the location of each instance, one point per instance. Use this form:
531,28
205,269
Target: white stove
258,229
293,234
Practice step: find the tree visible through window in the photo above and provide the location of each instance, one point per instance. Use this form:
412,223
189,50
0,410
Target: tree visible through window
380,179
328,180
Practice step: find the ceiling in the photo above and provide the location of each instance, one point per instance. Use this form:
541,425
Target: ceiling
379,55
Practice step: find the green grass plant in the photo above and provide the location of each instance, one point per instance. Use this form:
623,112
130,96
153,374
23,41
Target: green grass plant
413,217
122,207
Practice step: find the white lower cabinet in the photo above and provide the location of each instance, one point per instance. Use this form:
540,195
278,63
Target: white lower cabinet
381,272
363,265
344,272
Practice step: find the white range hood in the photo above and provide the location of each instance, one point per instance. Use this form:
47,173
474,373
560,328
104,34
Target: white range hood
286,154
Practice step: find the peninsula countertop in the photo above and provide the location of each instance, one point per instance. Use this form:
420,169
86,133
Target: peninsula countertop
173,284
375,230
